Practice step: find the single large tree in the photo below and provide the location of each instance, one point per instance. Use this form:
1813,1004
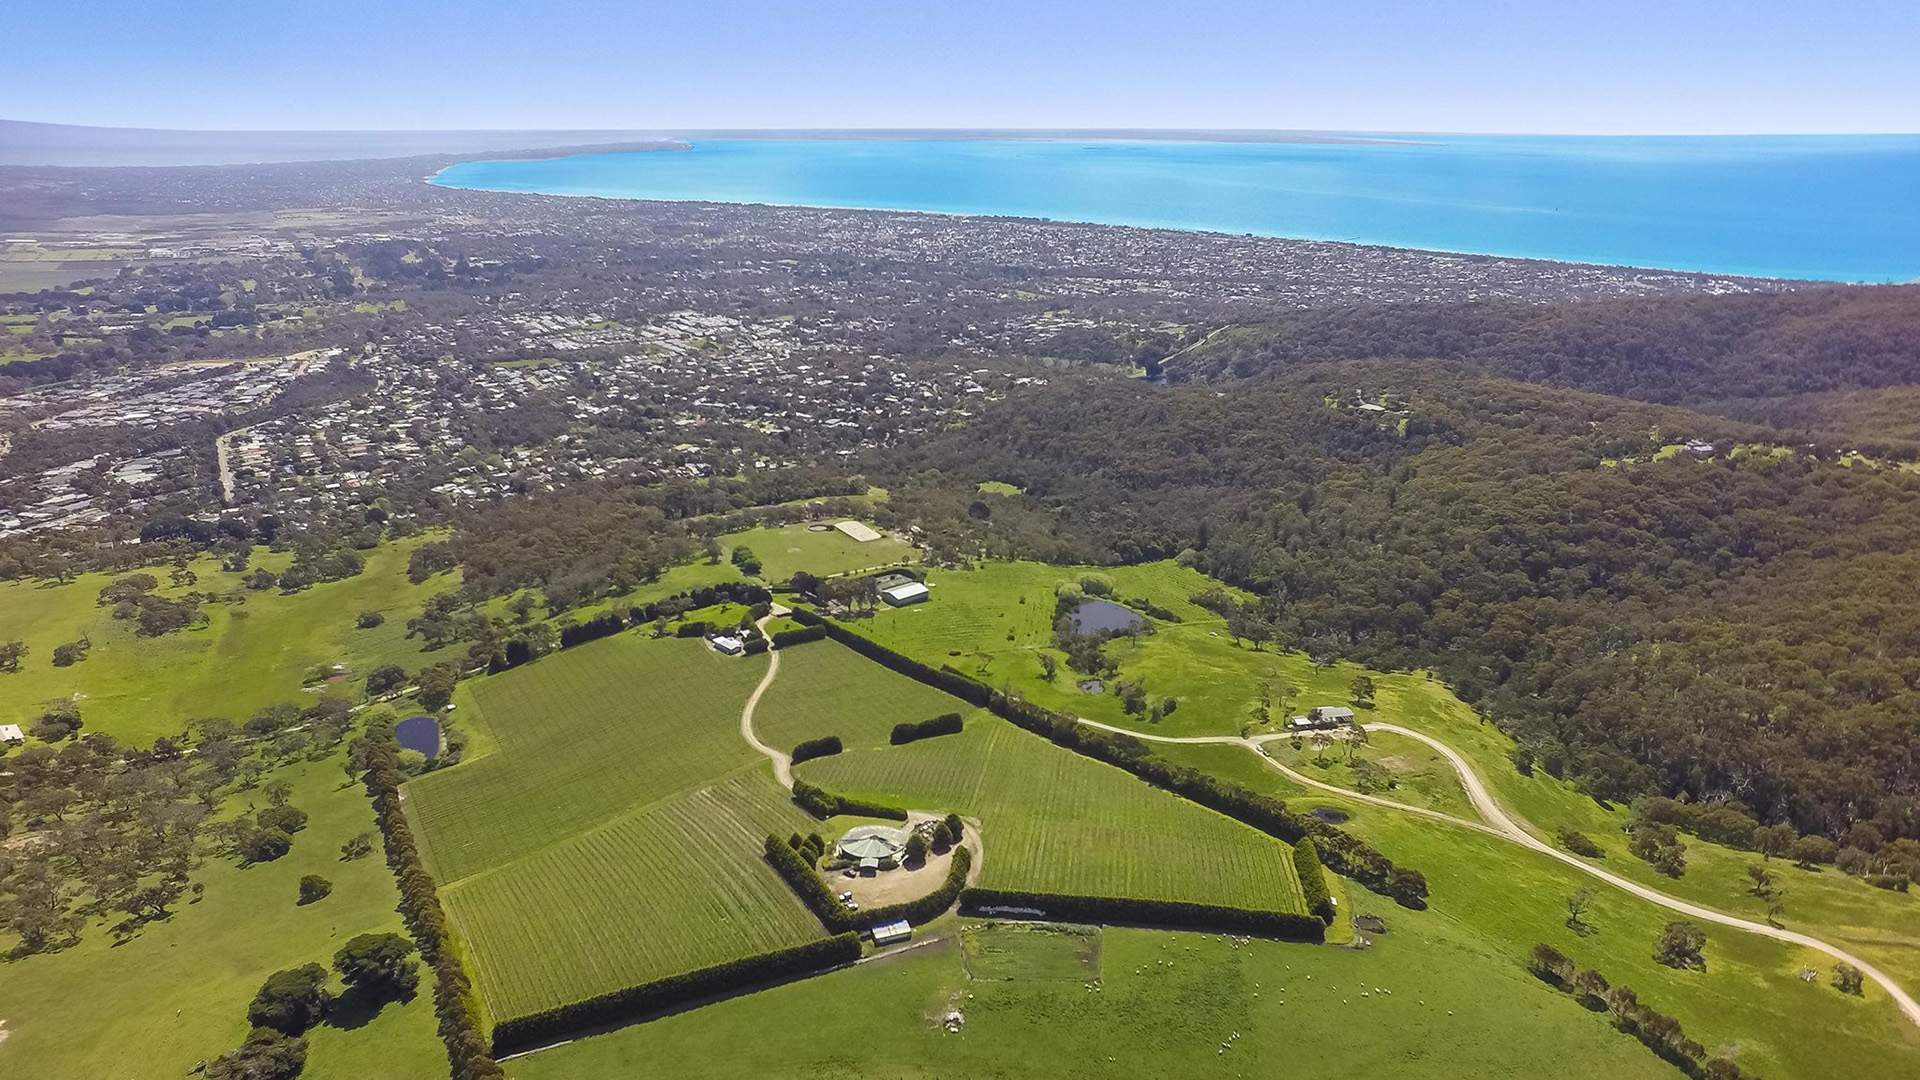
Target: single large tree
291,1001
379,964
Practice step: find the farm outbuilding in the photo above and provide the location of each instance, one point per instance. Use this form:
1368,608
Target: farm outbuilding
888,933
859,532
11,733
913,592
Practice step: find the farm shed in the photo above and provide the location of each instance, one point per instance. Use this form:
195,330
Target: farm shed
913,592
858,531
888,933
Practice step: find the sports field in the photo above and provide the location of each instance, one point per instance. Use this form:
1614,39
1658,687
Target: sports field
828,689
788,548
1055,821
252,653
613,833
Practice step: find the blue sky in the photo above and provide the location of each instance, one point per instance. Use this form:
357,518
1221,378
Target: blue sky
1678,66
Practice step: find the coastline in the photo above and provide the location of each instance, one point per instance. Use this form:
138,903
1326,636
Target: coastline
1743,279
1709,208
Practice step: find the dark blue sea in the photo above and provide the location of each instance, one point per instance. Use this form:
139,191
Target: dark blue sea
1843,208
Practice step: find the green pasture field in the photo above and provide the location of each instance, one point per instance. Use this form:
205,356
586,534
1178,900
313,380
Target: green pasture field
1749,1000
1154,1004
1055,821
994,621
1876,923
177,992
610,832
827,689
251,653
998,487
785,549
1421,776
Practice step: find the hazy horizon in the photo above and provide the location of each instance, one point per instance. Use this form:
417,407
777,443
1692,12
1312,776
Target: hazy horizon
1477,67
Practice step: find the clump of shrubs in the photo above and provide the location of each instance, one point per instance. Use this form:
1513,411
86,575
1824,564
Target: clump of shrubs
314,888
825,746
1580,844
944,724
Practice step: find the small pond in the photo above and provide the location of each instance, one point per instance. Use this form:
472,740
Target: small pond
1105,617
420,733
1328,814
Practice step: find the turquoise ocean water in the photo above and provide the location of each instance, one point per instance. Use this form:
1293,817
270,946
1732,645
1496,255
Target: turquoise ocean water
1844,208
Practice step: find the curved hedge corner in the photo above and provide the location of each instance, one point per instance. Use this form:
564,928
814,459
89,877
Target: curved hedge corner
426,920
788,638
823,804
1313,879
834,915
636,1002
824,746
1167,913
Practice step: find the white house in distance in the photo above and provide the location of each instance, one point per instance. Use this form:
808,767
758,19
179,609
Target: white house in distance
912,592
11,733
1321,716
728,644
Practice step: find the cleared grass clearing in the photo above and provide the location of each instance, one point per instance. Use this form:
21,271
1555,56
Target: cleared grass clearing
1001,607
675,886
581,737
1058,822
827,689
788,548
250,654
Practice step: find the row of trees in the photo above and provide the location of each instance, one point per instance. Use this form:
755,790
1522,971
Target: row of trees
1656,1030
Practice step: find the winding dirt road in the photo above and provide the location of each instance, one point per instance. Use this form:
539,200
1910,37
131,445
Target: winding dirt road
782,762
1498,822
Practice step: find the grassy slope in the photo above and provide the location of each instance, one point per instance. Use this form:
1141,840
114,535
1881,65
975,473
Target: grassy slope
1826,903
1749,999
1166,1003
177,993
826,689
993,621
787,548
248,656
1055,821
1421,776
612,832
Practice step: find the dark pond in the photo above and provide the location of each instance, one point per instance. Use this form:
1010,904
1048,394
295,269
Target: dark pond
1105,616
420,733
1328,814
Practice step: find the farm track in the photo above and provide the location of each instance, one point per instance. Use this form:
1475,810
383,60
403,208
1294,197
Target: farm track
1498,822
782,763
